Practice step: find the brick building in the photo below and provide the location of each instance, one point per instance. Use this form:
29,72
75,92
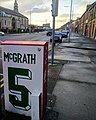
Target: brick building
86,25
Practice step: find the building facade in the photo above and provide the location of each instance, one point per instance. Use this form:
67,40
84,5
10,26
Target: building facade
46,26
86,25
12,20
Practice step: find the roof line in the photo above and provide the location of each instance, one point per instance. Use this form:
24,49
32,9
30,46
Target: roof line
9,11
91,5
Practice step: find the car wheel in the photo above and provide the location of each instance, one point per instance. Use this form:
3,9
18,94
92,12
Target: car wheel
50,34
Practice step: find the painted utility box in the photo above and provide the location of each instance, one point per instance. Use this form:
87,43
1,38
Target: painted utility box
25,66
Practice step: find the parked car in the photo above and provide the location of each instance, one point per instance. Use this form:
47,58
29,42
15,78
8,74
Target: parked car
67,31
49,32
64,34
57,37
2,33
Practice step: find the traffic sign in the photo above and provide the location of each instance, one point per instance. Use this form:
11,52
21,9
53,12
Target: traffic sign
54,7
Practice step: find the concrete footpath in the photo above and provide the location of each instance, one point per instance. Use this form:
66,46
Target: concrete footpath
72,79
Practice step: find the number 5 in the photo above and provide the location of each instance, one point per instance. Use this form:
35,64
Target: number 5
23,99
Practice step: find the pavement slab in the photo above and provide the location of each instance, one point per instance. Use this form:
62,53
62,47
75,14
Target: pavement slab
79,72
70,54
75,101
92,55
90,46
94,59
70,44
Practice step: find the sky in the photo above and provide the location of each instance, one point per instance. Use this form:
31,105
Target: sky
39,11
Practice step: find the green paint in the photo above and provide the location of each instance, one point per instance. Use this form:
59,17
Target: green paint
17,89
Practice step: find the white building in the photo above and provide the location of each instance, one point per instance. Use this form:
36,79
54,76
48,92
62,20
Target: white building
12,19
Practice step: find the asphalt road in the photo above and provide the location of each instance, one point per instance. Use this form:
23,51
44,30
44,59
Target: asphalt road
25,36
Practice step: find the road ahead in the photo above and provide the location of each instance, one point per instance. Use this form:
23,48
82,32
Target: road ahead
25,36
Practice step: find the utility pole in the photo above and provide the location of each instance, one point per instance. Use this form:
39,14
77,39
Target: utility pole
54,14
70,20
53,43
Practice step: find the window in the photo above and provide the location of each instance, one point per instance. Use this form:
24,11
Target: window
9,23
5,22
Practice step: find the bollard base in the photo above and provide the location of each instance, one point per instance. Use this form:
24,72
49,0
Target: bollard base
36,106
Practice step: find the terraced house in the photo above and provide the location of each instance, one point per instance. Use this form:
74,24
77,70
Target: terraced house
12,20
86,25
